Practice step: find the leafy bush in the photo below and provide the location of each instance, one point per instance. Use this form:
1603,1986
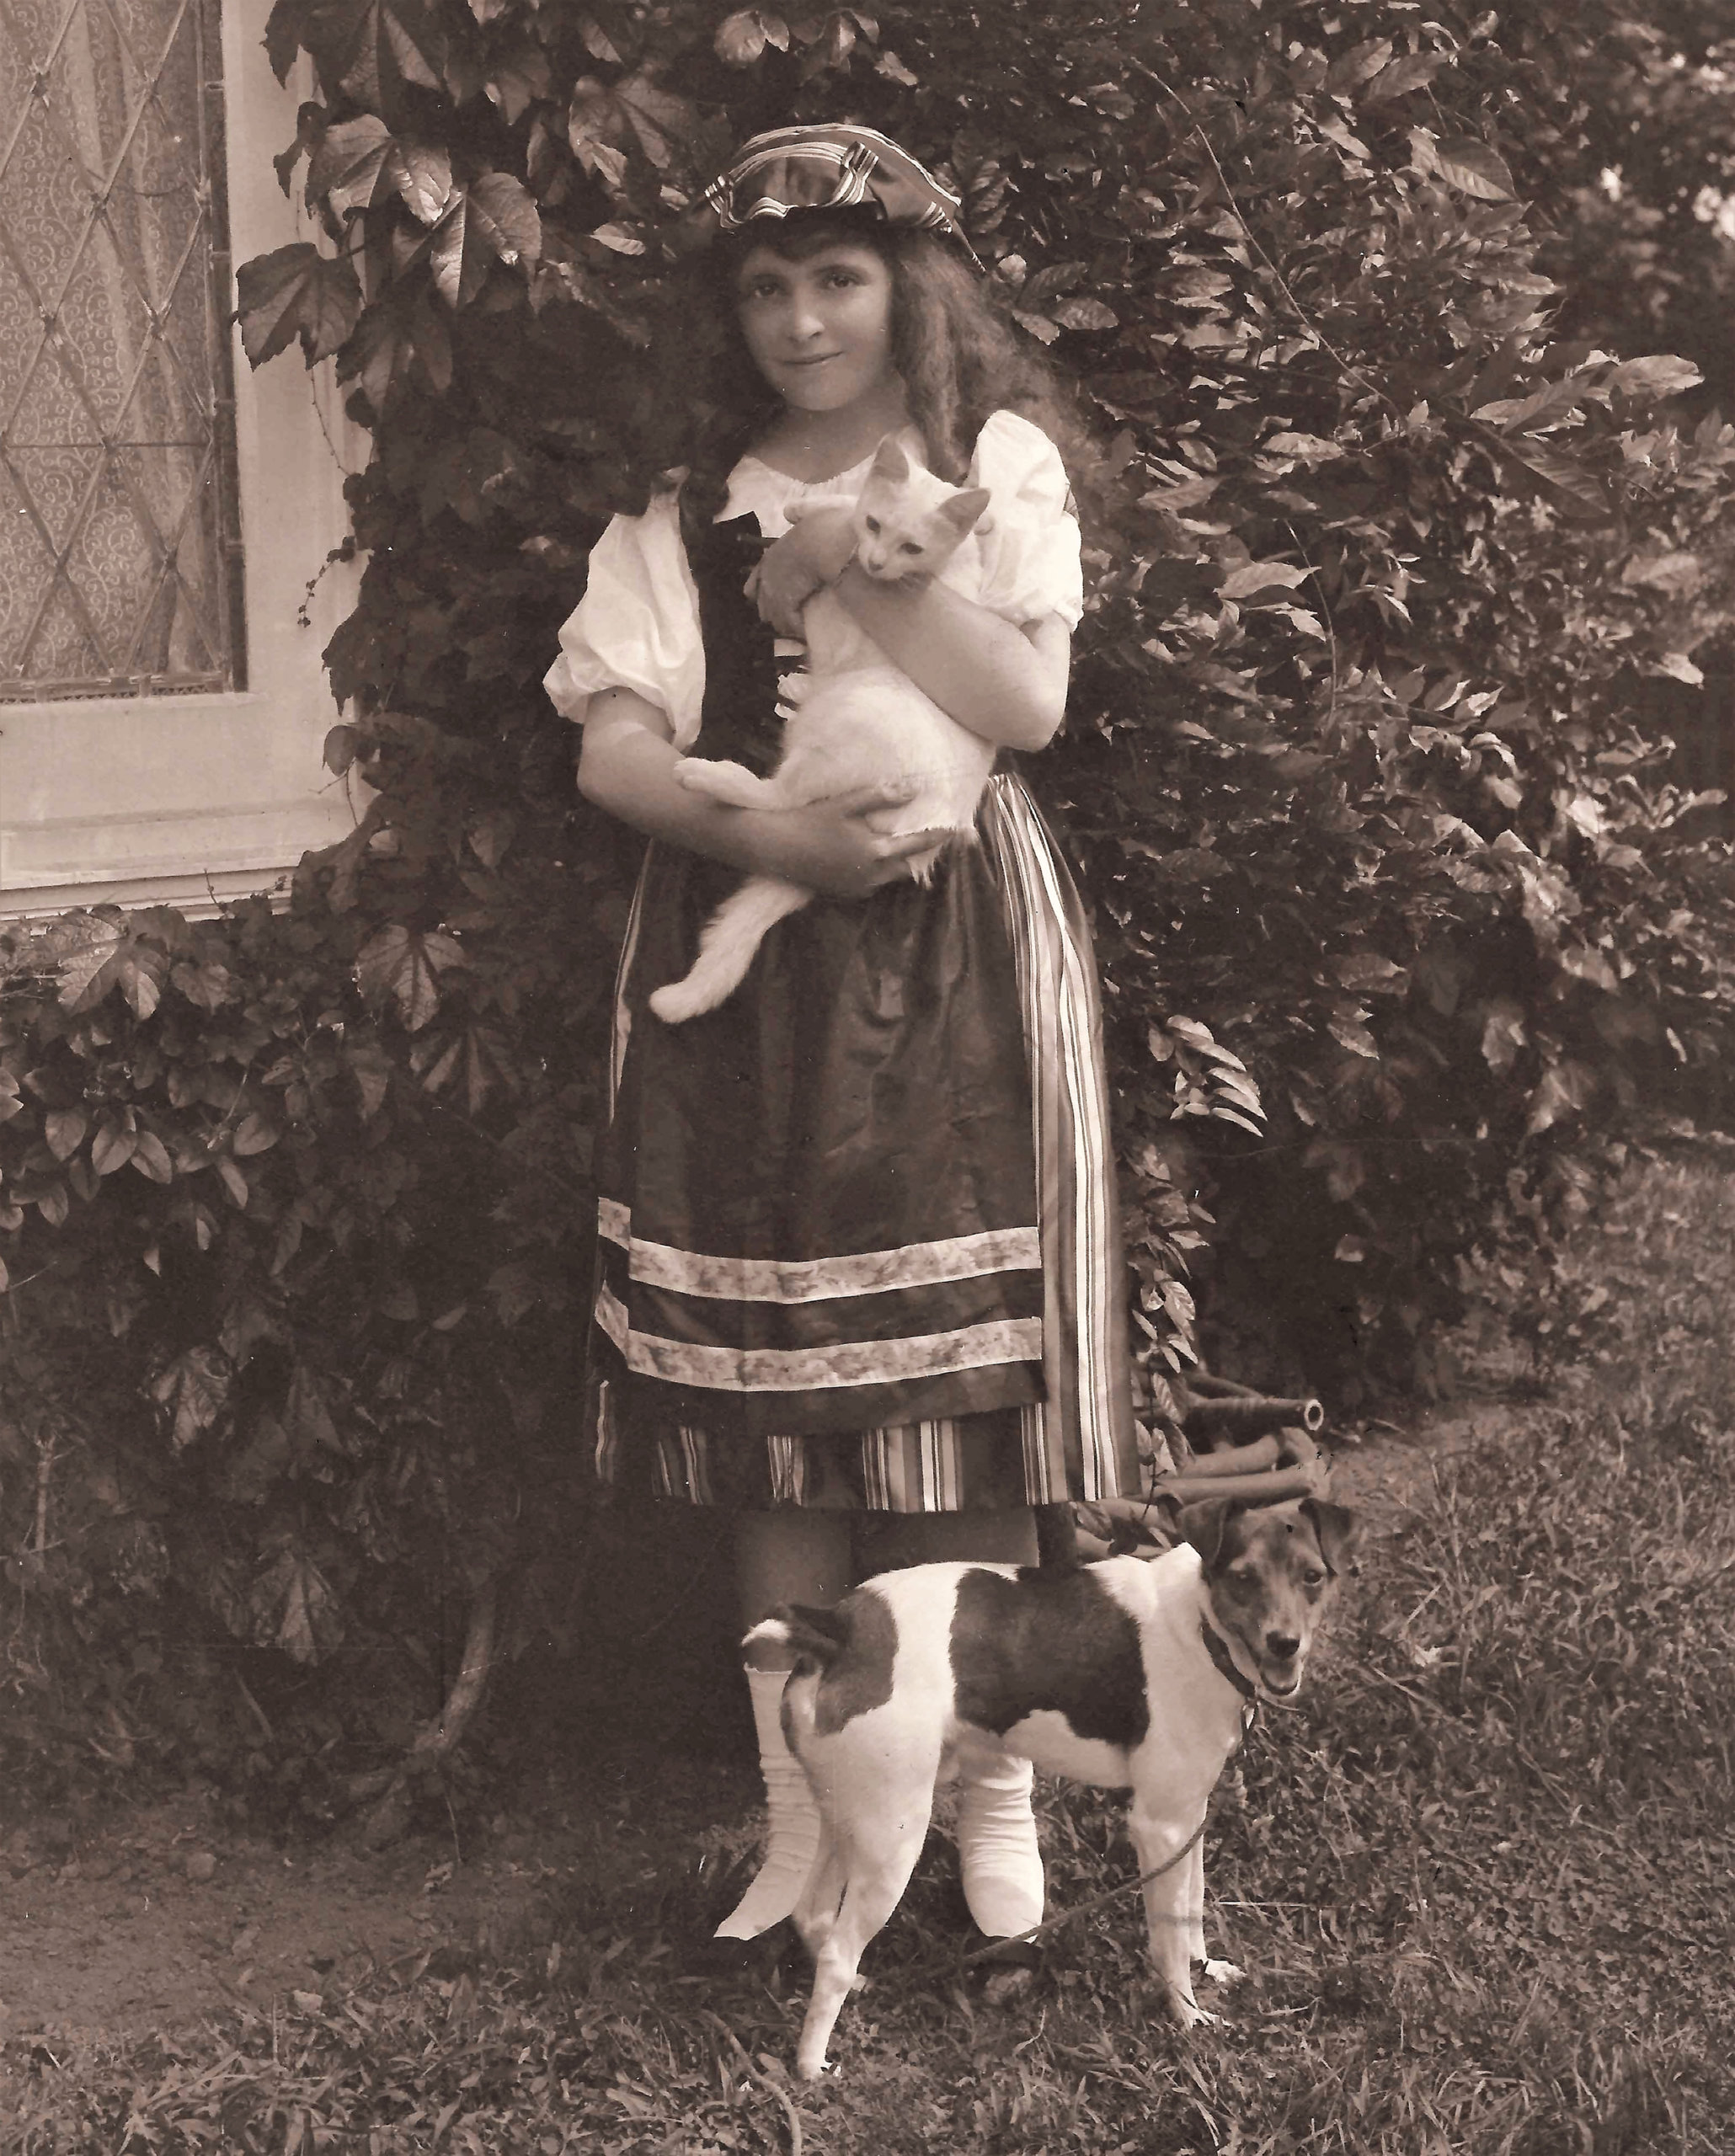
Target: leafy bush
1356,768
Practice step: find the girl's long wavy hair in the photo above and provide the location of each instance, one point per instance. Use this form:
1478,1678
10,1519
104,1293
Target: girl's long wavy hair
959,354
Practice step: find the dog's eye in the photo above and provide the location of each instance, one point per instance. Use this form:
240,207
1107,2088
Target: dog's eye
872,525
1313,1577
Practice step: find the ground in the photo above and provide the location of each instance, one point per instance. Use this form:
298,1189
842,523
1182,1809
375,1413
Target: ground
1478,1876
156,1918
161,1917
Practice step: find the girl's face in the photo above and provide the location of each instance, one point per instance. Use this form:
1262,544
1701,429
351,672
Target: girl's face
819,330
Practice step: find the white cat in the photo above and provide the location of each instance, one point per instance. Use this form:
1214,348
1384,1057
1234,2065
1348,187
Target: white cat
857,720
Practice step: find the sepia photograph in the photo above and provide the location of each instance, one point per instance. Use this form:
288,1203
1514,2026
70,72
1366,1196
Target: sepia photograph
866,1199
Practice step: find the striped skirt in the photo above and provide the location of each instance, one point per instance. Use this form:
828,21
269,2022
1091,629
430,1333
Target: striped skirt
858,1244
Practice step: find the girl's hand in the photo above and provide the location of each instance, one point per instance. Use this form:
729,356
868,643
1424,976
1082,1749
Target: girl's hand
815,551
832,848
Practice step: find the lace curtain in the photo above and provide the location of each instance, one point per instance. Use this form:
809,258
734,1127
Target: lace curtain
118,575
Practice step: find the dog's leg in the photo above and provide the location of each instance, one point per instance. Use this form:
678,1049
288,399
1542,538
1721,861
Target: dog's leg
879,1857
1173,1917
1219,1972
815,1914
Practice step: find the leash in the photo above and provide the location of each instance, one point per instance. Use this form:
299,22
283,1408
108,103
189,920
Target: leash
919,1978
1084,1908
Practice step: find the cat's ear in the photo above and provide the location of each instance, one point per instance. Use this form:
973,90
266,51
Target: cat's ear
965,508
890,461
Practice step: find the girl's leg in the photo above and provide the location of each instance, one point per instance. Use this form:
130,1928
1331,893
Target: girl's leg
782,1556
887,1541
997,1844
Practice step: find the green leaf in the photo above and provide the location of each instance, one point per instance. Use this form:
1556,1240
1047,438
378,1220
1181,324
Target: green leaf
306,1414
192,1393
209,984
1414,71
743,36
285,32
1468,164
1084,314
292,1607
1660,375
1576,488
494,220
64,1129
296,291
371,1069
255,1133
151,1157
420,175
1249,577
112,1148
521,77
637,112
1358,64
507,219
89,967
345,167
141,969
367,48
397,965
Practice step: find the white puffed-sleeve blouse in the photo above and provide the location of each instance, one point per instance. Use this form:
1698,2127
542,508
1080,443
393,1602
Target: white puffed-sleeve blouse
636,626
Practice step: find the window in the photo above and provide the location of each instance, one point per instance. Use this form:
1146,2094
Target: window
165,515
119,550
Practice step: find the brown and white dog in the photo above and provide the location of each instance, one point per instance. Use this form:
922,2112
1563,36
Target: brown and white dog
1131,1674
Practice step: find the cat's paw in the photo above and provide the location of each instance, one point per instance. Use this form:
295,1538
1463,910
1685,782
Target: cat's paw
676,1003
732,784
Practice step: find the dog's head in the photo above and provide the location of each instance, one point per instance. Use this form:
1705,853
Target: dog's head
1271,1572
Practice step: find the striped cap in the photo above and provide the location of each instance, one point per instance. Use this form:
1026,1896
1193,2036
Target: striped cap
836,166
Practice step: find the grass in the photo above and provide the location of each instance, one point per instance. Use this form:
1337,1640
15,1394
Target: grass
1481,1875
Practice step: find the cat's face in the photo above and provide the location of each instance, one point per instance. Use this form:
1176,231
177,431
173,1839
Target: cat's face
909,523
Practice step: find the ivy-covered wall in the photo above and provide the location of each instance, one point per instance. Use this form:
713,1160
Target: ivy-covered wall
295,1207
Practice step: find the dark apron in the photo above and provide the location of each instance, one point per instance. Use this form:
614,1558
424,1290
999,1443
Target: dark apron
818,1204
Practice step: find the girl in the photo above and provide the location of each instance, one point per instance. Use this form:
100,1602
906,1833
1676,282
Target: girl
860,1277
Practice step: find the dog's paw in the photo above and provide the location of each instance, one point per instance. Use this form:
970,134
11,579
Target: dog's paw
1186,2012
1224,1973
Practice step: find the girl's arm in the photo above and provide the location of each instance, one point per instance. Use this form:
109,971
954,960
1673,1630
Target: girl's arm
626,766
1006,683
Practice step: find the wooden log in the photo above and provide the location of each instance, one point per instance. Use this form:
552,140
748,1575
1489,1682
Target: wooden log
1238,1459
1250,1416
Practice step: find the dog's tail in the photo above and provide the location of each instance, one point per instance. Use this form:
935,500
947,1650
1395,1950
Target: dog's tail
815,1637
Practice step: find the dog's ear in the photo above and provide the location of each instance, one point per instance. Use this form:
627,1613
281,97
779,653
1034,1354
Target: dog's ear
1338,1532
1205,1525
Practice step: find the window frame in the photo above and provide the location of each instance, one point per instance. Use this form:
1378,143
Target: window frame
192,797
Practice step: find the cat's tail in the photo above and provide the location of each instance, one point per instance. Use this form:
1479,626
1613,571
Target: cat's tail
726,948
